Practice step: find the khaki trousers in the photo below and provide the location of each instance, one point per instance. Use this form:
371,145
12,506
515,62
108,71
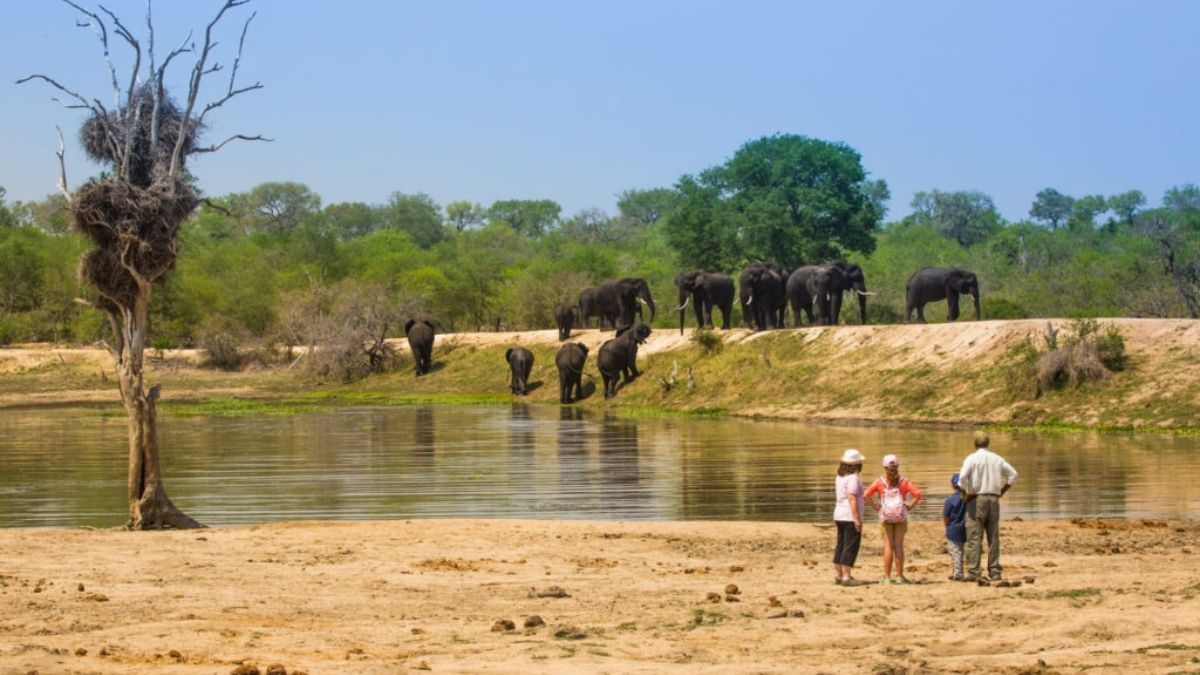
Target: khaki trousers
983,516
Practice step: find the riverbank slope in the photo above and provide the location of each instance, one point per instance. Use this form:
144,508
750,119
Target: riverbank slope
394,596
960,373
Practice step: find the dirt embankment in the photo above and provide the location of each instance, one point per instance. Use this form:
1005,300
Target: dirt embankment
388,597
934,373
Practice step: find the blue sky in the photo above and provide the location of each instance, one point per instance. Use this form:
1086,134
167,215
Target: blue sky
578,101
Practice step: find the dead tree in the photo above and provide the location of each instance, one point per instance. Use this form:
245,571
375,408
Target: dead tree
132,214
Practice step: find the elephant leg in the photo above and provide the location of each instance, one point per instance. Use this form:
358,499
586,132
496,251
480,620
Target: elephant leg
952,306
579,388
725,312
921,313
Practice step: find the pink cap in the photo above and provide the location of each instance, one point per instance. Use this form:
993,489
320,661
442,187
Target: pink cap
890,460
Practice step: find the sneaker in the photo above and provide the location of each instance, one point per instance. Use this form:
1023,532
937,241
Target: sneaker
902,580
838,581
885,581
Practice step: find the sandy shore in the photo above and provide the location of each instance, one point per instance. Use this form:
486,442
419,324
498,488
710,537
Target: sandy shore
385,597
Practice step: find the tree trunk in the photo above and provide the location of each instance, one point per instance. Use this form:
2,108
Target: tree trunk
149,506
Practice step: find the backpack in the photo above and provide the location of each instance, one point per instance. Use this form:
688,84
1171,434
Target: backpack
892,508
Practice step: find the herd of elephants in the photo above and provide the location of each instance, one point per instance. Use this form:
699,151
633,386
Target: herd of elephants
765,291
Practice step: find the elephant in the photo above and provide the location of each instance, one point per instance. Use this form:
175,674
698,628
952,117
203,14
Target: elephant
931,284
766,284
520,362
420,341
616,300
618,356
707,290
570,360
817,291
564,318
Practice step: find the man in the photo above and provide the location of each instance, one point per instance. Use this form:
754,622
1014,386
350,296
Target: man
984,478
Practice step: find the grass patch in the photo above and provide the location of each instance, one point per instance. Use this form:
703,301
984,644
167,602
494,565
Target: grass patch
703,617
1167,646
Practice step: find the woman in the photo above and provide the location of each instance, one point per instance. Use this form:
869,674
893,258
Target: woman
847,515
893,507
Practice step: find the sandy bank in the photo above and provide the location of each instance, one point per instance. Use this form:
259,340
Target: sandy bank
384,597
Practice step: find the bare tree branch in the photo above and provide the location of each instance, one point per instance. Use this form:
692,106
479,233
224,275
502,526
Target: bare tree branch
238,58
62,165
54,83
235,137
101,32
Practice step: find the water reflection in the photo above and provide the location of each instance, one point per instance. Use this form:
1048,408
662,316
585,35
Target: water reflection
551,462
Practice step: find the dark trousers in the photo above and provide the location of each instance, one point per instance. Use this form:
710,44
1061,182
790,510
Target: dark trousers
847,544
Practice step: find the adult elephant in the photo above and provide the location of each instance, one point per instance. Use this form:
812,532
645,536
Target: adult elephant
520,364
931,284
762,290
420,341
570,360
817,291
618,357
564,318
706,290
617,300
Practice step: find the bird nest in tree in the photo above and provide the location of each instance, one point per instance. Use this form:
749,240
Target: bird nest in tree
109,138
134,230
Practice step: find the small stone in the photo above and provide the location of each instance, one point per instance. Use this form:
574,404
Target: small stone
81,652
423,665
245,669
1049,564
177,657
276,669
569,633
732,589
79,588
549,592
502,625
1029,580
774,601
732,598
736,568
534,621
418,631
201,538
713,597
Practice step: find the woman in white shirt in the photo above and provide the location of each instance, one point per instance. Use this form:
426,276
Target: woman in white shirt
847,515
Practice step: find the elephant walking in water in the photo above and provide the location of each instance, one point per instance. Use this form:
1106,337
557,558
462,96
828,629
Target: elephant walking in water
762,289
817,291
931,284
520,363
616,300
706,290
420,341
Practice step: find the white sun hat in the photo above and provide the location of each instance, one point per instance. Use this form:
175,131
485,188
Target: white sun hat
852,456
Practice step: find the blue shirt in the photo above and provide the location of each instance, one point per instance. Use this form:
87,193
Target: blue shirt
954,510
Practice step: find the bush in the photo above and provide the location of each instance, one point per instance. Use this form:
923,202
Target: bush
219,339
1111,349
880,313
708,341
1002,308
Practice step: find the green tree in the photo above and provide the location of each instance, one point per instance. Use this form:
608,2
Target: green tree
280,207
463,214
593,226
786,197
966,216
7,219
1183,199
1051,206
1085,210
351,219
1126,205
646,207
530,217
417,215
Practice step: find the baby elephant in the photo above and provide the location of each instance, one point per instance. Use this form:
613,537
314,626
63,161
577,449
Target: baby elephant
520,362
619,355
570,360
564,318
420,341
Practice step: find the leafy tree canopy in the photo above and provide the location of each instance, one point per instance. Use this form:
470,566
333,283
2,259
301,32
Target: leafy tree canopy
1052,207
787,198
530,217
966,216
418,215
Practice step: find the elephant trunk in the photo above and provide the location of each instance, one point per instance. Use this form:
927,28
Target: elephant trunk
686,297
975,296
862,307
649,302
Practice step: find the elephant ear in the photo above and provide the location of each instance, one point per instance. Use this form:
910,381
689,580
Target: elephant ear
582,348
428,324
508,355
408,326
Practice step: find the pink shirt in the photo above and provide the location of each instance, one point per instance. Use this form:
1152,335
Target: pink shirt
848,486
906,488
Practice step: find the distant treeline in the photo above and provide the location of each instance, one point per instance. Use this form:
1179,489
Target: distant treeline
261,265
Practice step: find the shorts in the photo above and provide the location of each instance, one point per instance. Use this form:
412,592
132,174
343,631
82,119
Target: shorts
894,528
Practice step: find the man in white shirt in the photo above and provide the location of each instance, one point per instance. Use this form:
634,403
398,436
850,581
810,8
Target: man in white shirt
984,478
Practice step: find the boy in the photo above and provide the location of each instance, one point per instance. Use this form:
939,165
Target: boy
954,512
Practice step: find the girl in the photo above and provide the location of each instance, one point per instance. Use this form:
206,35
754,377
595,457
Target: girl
847,515
893,507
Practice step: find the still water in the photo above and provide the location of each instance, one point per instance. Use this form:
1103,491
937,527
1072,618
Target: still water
67,467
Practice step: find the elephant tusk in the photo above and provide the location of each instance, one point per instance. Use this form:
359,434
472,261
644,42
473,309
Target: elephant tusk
864,292
642,301
684,305
750,300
